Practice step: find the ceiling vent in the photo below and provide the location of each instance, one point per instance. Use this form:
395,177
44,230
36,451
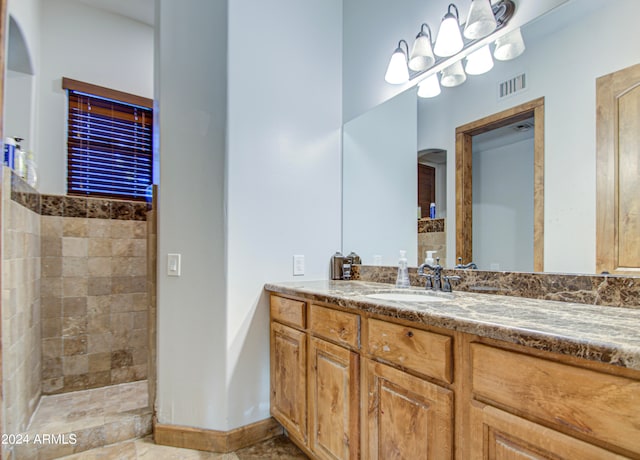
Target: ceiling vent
512,86
522,127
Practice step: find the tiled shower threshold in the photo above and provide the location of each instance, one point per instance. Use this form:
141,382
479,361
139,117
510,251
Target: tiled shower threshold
113,423
69,423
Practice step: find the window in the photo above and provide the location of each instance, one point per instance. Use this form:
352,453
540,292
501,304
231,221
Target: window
109,142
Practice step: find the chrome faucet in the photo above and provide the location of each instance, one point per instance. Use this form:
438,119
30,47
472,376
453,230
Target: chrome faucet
470,265
435,281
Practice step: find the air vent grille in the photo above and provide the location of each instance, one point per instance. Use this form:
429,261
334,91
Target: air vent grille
512,86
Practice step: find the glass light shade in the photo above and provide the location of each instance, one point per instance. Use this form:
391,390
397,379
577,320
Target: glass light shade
397,71
429,87
509,46
481,21
421,55
449,41
479,61
453,75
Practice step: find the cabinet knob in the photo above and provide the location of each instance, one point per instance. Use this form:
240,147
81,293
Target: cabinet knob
410,334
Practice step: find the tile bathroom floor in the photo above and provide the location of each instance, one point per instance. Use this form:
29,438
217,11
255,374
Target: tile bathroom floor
114,422
275,448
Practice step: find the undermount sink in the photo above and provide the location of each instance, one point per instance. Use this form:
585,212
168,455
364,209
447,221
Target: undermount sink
413,296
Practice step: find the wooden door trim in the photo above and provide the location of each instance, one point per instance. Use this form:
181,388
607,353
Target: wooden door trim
464,176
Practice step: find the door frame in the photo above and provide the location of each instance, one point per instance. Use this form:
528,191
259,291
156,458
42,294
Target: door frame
464,176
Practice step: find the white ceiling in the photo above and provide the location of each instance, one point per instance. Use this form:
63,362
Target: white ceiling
139,10
501,137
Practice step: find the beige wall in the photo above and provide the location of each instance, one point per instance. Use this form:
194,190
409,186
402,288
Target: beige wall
432,236
75,305
94,302
21,363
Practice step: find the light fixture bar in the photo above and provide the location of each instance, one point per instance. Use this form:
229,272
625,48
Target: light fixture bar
503,11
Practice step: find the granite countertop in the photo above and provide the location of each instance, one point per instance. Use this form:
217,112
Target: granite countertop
598,333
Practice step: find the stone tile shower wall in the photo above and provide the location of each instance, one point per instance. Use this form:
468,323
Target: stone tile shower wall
432,237
20,308
94,293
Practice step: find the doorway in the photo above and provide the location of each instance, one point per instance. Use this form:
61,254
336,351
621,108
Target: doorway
533,110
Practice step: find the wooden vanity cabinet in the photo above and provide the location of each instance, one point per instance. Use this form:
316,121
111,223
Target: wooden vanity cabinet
543,406
334,383
289,379
315,377
497,434
405,416
351,385
334,407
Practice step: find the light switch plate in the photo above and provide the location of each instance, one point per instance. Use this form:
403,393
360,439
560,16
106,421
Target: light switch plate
173,264
298,265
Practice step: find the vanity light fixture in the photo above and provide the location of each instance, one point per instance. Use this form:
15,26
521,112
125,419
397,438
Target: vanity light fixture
422,57
397,71
479,61
484,19
480,21
453,75
509,46
429,87
449,40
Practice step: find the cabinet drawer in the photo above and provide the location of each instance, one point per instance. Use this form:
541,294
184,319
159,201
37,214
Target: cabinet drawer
424,352
335,325
582,401
287,311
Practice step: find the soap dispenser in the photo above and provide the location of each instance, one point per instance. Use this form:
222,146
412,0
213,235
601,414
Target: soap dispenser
403,272
429,260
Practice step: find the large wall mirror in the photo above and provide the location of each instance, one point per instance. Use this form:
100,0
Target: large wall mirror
567,49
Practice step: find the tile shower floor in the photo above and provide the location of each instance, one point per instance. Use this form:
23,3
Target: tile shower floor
114,422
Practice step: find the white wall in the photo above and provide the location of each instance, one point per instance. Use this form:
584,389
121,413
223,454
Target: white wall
26,13
282,191
18,107
503,207
377,146
283,171
561,66
21,89
191,120
91,45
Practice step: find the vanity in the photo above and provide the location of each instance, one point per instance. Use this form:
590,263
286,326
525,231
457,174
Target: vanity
358,372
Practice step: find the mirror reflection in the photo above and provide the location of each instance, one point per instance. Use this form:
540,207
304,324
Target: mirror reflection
562,61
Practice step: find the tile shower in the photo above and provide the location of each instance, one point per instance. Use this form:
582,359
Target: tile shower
75,296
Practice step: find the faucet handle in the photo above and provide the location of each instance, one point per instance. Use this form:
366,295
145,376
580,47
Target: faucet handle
428,284
446,284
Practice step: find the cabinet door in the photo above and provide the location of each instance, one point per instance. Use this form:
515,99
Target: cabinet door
498,435
406,417
288,379
333,400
